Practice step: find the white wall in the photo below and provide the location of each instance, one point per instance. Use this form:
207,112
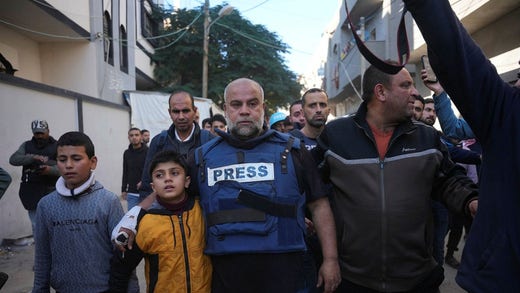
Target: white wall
18,107
106,126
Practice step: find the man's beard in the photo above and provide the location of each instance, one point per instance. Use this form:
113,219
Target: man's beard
245,132
316,123
40,142
429,122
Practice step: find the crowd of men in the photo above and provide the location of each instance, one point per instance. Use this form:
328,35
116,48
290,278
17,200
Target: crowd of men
291,203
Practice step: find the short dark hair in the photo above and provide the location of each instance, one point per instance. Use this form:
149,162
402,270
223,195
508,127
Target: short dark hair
419,98
144,130
168,156
76,138
374,76
297,102
185,92
429,101
220,118
287,121
206,120
134,128
311,91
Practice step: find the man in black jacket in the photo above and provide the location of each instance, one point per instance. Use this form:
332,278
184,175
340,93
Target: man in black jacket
39,173
133,165
384,169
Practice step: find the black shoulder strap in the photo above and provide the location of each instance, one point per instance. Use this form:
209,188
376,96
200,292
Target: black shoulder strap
285,154
162,140
402,47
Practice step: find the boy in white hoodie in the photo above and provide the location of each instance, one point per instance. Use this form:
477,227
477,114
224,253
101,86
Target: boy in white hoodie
72,236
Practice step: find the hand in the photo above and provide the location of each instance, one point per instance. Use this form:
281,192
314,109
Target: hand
436,87
329,275
309,225
127,224
120,245
473,207
124,195
139,185
43,170
39,159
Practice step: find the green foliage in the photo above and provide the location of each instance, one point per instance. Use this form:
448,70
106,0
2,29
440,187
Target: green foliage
237,48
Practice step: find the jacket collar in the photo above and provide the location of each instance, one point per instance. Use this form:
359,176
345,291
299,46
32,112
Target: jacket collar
361,120
250,143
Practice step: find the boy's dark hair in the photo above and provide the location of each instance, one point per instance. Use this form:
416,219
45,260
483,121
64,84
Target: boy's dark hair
76,138
206,120
220,118
165,157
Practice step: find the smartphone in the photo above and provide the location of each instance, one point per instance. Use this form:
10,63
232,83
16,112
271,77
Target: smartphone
431,77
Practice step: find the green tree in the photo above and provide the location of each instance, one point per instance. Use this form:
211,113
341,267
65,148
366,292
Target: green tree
237,48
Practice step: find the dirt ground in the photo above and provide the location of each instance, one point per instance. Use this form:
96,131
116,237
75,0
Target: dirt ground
17,262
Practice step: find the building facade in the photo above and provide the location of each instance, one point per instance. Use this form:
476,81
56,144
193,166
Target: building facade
494,24
68,62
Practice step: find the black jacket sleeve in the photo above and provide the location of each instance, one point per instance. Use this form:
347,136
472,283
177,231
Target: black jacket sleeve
452,186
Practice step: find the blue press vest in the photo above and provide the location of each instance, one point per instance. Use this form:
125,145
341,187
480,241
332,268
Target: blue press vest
266,171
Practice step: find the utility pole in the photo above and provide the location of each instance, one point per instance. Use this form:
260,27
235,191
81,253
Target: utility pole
205,51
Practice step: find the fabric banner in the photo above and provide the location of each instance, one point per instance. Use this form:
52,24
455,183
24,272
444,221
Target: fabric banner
150,110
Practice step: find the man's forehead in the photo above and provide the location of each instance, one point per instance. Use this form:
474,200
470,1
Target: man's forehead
296,108
242,98
315,97
180,100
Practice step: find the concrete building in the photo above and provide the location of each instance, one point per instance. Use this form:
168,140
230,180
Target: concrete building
494,24
73,60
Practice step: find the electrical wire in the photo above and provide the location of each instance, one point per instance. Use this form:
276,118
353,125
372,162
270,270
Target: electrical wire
42,33
256,6
350,80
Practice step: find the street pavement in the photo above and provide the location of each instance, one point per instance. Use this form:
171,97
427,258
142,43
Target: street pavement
17,262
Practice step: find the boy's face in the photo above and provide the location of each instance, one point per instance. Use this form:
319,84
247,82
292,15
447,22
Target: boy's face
74,165
169,181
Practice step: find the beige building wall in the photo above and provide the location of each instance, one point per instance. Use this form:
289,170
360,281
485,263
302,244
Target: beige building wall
22,52
18,107
64,78
70,66
77,10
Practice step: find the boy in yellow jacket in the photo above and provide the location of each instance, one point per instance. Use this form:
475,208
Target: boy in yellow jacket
170,236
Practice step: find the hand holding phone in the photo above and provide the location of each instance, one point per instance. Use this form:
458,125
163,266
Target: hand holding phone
431,77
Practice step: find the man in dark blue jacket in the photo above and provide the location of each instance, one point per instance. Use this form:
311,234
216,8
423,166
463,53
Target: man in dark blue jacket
491,258
183,136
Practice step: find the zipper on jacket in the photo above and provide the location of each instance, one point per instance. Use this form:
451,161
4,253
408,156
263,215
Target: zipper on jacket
186,258
384,231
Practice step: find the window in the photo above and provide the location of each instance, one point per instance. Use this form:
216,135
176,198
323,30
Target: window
108,39
123,49
149,26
